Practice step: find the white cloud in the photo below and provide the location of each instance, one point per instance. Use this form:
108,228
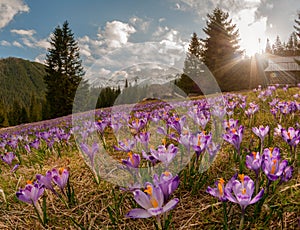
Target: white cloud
23,32
5,43
140,23
116,33
17,44
9,8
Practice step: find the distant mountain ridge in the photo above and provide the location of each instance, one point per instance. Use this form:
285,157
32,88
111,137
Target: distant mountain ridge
20,80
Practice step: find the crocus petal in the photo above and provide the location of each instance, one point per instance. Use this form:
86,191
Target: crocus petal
138,213
230,197
257,197
155,211
170,205
142,199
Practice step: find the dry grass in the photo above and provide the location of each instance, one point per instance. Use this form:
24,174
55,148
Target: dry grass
194,211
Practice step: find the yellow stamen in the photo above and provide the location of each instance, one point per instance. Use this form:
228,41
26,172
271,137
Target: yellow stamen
154,202
242,177
60,171
273,166
130,157
220,187
29,182
99,121
199,142
289,135
167,173
243,191
221,180
163,141
233,130
254,154
177,119
148,190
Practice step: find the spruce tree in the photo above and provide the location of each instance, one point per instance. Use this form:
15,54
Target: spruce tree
192,68
278,48
64,71
220,48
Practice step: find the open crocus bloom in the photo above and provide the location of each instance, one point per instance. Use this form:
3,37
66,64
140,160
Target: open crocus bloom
133,160
243,191
60,177
291,136
31,193
152,203
261,131
163,154
273,168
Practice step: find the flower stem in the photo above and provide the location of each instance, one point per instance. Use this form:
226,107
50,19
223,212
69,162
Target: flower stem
158,221
242,219
225,216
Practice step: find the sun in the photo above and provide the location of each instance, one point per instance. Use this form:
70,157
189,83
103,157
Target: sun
252,32
251,45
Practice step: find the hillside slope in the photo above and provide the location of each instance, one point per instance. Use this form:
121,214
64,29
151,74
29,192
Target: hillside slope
19,80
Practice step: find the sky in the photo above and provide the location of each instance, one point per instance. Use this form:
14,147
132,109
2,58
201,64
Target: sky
116,34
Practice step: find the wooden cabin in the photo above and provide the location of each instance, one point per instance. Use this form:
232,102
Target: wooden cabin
283,70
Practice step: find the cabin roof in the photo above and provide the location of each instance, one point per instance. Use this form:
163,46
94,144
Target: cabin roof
280,64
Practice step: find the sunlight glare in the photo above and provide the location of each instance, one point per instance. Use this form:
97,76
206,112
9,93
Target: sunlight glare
252,33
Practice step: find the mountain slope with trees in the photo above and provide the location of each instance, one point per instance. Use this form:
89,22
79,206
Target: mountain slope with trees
22,91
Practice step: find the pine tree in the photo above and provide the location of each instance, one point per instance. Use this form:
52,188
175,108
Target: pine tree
64,71
192,68
220,48
268,49
297,28
297,36
278,48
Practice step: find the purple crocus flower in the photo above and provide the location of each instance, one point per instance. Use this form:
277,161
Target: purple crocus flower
272,167
243,191
132,161
152,203
35,144
287,174
253,161
125,146
137,124
261,132
144,138
177,123
163,154
234,137
8,157
90,151
199,142
60,177
150,158
219,190
31,193
291,136
46,181
167,182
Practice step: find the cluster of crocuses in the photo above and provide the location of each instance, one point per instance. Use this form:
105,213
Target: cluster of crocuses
8,158
34,190
240,188
154,199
